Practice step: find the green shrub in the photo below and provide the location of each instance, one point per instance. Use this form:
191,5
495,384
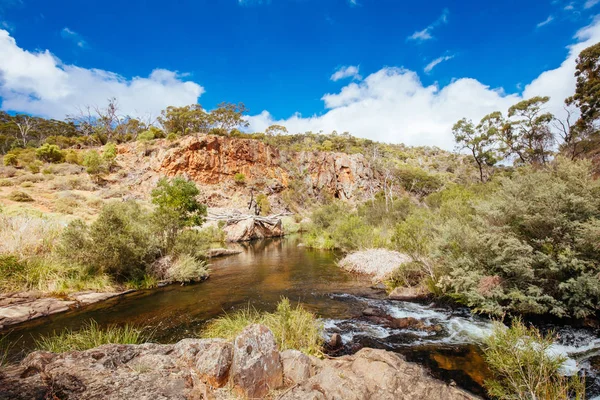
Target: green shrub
10,160
109,154
523,368
195,242
20,196
263,204
6,182
294,328
418,181
89,337
145,136
407,275
239,178
172,137
177,208
119,243
93,163
50,153
73,157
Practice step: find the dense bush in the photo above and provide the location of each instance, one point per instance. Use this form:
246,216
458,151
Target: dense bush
50,153
10,160
532,247
524,368
119,243
187,269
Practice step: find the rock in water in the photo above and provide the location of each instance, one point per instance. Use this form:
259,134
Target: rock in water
257,366
335,341
408,294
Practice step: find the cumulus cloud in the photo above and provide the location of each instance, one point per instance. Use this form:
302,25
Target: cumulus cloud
425,34
73,36
39,83
545,22
393,105
437,61
350,71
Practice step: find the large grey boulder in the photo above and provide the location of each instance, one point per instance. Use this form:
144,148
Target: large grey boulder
257,366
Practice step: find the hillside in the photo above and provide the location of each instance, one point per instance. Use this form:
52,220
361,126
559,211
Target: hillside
226,170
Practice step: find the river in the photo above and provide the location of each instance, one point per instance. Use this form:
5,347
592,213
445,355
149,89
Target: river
268,270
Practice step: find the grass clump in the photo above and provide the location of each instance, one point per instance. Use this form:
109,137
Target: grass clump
89,337
294,328
523,367
187,269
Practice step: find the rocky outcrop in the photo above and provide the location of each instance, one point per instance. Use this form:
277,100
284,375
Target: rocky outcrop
209,368
408,293
372,374
252,229
20,307
211,160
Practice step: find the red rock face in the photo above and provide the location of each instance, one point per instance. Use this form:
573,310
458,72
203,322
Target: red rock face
215,159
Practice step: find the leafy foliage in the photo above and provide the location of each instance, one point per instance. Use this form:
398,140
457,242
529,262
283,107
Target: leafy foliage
50,153
523,368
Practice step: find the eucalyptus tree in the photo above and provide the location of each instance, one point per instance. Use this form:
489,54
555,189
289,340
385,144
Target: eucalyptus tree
480,140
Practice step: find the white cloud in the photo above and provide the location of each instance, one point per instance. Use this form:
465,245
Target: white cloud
425,34
392,104
437,61
39,83
545,22
69,34
353,3
350,71
590,3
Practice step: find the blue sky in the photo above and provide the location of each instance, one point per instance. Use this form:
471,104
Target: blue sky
278,57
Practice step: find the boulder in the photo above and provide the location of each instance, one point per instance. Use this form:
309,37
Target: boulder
252,229
408,294
335,341
373,374
297,366
211,358
257,366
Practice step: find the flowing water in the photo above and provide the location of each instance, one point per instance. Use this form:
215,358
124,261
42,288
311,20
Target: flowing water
267,270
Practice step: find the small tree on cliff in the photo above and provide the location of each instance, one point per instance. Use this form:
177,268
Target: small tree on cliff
228,116
177,208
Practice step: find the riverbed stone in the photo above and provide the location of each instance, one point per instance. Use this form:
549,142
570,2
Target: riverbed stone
373,374
297,366
408,294
257,366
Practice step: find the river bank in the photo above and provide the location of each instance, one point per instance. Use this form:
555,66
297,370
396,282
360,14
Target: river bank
267,270
251,366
